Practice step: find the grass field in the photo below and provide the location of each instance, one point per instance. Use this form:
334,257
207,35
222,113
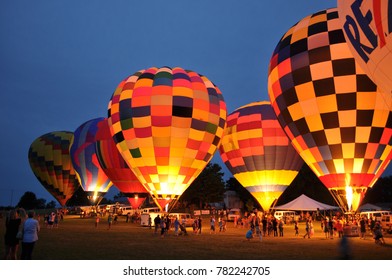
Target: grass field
78,239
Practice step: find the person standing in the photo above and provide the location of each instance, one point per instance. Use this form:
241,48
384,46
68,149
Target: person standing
362,224
275,226
281,223
176,226
30,236
110,221
11,242
199,224
307,228
157,223
96,221
212,223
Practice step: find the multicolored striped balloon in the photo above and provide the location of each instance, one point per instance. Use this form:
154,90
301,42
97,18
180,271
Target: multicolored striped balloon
84,158
167,124
258,153
50,162
336,118
116,168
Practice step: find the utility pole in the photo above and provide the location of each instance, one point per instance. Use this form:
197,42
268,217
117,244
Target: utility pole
12,196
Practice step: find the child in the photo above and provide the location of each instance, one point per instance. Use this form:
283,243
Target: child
296,228
96,221
249,234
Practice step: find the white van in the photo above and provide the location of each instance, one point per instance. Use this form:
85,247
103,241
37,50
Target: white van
386,223
287,216
375,215
234,213
182,217
127,209
144,217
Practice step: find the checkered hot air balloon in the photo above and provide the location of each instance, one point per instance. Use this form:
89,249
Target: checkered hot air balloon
167,124
50,162
116,168
367,26
336,118
84,158
258,153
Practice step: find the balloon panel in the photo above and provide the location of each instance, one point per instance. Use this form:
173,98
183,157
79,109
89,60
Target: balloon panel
113,164
85,161
50,162
367,28
258,153
337,119
167,124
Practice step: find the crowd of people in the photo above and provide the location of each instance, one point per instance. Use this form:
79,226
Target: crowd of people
20,228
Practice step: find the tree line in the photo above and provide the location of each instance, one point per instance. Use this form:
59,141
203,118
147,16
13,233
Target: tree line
209,187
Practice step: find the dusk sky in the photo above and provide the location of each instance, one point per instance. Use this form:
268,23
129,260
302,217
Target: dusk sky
60,61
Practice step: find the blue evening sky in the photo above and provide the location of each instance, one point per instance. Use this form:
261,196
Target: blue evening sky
60,61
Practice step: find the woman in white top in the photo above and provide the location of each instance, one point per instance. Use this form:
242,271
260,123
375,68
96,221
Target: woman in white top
30,236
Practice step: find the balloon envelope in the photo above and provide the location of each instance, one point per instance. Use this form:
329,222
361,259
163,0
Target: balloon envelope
50,162
258,153
367,26
167,124
91,176
116,168
336,118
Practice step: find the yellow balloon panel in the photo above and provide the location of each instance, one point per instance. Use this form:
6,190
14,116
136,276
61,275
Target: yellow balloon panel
266,198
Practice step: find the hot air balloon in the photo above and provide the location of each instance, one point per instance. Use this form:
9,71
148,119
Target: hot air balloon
50,162
91,176
336,118
167,124
258,153
116,168
367,26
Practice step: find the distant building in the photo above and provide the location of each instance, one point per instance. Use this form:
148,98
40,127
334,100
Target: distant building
232,200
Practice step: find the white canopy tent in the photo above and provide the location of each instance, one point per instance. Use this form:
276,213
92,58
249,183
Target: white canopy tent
369,207
305,203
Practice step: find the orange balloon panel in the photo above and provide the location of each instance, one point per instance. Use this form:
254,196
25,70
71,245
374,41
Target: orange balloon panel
167,124
258,153
333,113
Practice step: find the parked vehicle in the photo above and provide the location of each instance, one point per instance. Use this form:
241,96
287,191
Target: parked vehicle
144,217
386,223
234,213
182,217
286,216
375,215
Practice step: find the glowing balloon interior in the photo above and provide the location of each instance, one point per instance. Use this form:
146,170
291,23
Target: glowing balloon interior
167,124
258,153
116,168
336,118
92,178
367,26
50,162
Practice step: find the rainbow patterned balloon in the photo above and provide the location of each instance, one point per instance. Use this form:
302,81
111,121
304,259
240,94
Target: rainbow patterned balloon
84,158
258,153
50,162
167,124
116,168
336,118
